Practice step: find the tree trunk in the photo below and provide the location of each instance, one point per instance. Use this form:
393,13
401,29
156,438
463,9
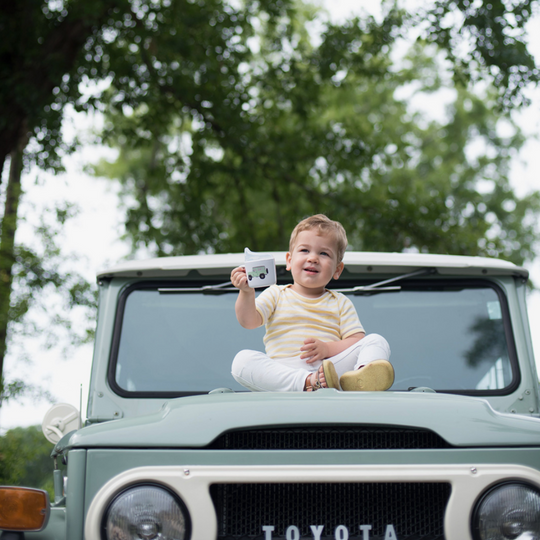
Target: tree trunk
7,245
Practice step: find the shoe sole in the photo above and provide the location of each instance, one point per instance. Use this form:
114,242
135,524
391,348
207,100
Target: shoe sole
330,374
374,377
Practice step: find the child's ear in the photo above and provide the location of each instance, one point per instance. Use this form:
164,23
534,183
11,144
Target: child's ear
288,260
338,270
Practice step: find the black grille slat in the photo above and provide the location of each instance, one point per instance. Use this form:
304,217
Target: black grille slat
329,438
416,510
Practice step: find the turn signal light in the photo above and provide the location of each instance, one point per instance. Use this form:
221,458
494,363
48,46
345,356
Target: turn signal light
23,509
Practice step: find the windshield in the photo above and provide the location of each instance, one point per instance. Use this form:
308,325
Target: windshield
447,337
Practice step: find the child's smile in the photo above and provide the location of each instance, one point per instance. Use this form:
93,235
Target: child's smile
313,263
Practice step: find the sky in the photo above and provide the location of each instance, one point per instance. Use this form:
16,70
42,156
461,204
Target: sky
93,237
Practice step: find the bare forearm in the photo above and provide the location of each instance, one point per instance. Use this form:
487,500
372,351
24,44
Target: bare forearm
246,313
315,349
335,347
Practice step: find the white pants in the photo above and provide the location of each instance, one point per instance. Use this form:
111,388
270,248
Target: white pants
260,373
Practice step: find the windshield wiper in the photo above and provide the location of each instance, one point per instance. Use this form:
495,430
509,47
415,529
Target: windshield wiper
378,287
222,288
374,288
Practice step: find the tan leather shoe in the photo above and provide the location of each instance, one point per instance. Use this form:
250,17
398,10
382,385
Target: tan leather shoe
373,377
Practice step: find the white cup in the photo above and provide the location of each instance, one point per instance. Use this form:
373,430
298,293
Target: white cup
261,272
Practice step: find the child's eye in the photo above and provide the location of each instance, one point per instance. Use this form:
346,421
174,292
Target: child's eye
324,253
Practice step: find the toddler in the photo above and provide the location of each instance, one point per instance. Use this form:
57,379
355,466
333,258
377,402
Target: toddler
313,338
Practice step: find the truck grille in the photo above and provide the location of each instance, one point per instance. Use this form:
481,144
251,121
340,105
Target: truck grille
415,510
329,438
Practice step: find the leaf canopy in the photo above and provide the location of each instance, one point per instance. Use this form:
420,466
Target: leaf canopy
286,128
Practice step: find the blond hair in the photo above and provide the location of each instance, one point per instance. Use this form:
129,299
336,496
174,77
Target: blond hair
323,225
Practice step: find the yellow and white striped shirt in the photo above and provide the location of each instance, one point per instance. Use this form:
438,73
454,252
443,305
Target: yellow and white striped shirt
291,318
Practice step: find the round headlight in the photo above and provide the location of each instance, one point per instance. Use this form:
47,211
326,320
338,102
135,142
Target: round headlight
146,513
508,512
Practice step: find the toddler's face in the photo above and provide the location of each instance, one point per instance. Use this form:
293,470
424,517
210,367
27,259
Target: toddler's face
313,262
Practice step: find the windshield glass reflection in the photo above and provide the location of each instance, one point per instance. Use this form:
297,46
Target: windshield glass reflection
447,339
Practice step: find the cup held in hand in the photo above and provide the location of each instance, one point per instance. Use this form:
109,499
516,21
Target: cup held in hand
260,269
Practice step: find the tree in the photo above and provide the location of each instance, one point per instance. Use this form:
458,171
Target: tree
194,65
495,32
40,58
40,68
25,459
319,129
45,294
50,50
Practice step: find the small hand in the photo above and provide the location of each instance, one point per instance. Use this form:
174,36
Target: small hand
239,279
313,350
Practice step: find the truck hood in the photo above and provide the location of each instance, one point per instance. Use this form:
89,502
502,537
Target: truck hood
194,422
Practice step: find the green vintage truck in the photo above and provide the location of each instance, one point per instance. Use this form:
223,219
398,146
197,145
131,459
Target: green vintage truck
174,449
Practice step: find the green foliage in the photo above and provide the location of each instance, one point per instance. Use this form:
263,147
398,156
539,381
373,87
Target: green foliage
233,122
50,50
319,129
494,31
43,45
44,280
40,55
25,459
45,297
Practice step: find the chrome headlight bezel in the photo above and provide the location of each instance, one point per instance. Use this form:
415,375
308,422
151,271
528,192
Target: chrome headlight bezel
475,516
131,487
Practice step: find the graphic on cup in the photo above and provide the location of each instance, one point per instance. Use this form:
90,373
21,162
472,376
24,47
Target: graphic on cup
260,269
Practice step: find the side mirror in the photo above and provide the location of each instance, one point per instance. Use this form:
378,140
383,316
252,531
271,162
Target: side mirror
59,420
23,509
